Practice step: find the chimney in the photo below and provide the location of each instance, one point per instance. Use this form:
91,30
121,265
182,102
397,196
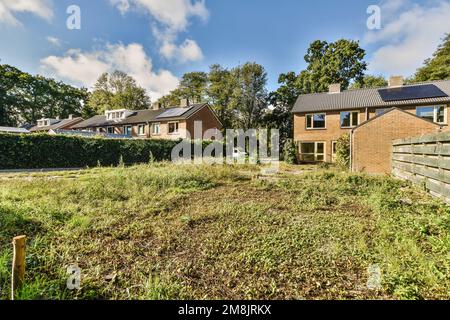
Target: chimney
70,116
334,88
156,106
57,118
184,103
396,81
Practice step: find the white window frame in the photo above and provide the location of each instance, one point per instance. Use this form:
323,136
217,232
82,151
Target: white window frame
435,113
177,131
324,154
139,130
125,129
113,130
333,152
351,119
156,125
312,123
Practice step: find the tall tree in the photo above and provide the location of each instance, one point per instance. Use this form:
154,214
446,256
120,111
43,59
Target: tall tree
193,86
117,91
220,92
25,98
249,99
337,62
438,67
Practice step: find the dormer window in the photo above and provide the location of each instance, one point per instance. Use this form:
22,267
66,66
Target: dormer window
117,115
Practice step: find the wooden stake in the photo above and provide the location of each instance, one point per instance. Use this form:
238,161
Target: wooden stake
18,266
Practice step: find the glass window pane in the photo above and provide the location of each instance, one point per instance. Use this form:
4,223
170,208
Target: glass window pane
307,158
307,148
345,119
309,121
320,148
426,113
319,121
334,147
440,114
355,119
320,158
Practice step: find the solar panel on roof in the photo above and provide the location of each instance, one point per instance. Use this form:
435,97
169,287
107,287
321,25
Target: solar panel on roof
171,113
411,93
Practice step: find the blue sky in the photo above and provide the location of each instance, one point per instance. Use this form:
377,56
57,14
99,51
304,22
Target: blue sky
156,41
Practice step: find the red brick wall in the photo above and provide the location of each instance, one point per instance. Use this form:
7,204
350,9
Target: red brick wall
372,142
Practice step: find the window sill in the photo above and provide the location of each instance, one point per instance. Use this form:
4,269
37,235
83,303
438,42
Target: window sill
315,129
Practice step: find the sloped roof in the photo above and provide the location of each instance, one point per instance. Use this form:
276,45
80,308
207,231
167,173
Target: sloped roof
13,130
362,98
58,125
139,116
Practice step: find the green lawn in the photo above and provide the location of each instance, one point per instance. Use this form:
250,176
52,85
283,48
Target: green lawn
162,231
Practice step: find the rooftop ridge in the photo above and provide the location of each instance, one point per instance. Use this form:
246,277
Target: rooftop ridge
375,88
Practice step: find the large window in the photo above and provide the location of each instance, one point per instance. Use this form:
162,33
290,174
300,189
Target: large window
349,119
316,121
173,127
110,130
432,113
141,130
312,151
156,128
127,130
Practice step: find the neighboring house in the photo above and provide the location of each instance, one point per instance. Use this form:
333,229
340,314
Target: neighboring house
13,130
321,119
171,123
46,124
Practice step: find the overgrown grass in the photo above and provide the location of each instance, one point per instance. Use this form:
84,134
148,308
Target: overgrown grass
218,232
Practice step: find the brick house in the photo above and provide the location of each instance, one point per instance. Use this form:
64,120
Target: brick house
47,124
321,119
156,123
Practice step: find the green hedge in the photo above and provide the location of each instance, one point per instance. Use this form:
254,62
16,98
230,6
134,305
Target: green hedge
48,151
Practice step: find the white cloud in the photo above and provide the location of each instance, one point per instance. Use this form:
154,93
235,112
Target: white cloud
54,41
187,51
410,34
171,18
84,68
8,9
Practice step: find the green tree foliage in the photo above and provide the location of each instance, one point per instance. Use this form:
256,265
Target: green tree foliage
337,62
25,98
343,151
220,93
438,67
117,91
370,82
249,99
